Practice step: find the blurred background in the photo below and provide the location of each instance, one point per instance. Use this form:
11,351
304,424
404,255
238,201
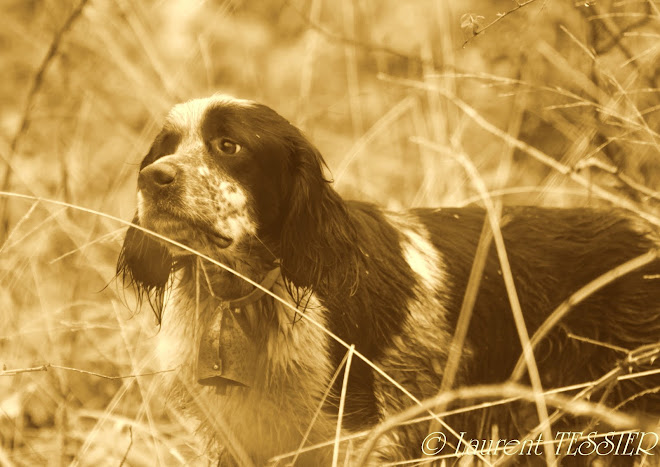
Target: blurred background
85,88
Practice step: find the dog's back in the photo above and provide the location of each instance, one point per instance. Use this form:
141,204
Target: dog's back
552,253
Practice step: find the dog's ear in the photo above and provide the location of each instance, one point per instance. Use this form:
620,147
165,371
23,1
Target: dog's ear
318,240
145,264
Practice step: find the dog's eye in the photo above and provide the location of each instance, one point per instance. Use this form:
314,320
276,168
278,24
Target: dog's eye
225,146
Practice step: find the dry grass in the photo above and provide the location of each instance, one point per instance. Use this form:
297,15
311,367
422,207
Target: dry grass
553,104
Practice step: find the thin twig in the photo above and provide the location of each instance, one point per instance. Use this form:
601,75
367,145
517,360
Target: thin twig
606,345
6,245
37,83
647,193
465,314
342,403
500,17
46,366
130,445
586,85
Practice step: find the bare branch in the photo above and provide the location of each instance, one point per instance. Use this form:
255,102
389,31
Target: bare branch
27,110
46,366
646,193
342,400
500,16
130,445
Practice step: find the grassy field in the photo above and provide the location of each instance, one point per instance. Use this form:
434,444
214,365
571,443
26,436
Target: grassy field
554,103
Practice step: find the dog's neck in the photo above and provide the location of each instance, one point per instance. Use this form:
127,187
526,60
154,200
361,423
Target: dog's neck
255,263
258,292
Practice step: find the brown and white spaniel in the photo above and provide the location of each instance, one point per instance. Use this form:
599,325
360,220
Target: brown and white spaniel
237,183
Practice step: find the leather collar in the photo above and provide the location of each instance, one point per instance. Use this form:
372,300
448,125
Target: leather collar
256,295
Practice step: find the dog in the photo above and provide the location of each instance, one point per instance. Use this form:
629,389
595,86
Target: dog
234,184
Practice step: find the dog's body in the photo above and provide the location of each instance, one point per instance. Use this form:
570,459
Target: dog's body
238,183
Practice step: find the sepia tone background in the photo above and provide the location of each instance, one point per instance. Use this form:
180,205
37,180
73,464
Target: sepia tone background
86,85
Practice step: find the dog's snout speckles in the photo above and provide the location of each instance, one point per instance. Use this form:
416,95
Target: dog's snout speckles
185,194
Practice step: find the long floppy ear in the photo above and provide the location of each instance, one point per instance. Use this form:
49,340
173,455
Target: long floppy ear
318,245
145,264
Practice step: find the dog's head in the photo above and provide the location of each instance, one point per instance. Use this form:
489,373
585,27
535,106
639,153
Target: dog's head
226,174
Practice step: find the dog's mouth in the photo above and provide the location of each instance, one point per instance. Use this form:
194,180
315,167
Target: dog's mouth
189,232
220,240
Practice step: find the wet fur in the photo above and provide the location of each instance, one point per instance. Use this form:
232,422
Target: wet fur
390,283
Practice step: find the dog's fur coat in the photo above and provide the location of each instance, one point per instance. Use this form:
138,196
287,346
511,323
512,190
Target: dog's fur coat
235,181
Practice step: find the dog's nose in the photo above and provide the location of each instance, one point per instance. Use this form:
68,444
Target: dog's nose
157,176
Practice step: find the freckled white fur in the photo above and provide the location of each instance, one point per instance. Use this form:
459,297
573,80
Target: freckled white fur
210,197
236,226
232,213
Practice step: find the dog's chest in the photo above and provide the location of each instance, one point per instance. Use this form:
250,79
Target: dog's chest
292,372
